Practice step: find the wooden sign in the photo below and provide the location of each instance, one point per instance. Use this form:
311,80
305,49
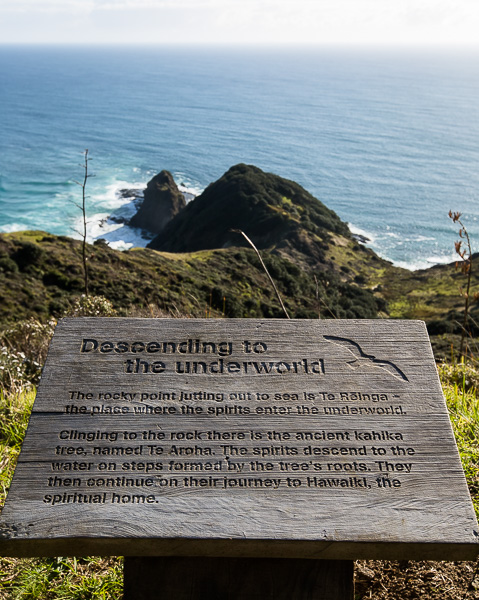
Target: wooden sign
243,437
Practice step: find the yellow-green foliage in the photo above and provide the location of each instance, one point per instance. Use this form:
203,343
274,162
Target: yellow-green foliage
15,411
43,280
61,578
459,385
464,376
433,293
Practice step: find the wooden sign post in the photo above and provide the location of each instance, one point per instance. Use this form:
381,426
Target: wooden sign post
240,438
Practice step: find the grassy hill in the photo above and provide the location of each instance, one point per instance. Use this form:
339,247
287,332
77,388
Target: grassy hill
41,274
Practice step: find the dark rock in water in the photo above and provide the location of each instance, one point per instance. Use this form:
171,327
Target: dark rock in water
114,219
123,214
131,193
162,201
359,237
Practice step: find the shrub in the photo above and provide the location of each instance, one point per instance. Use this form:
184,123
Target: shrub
464,376
24,350
91,306
54,277
13,371
7,265
28,254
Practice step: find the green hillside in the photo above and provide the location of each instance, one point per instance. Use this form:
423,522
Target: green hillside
199,266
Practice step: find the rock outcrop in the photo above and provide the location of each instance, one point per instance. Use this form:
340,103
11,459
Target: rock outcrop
162,201
277,214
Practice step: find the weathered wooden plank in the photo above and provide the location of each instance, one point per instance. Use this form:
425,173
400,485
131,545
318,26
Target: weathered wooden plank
317,439
172,578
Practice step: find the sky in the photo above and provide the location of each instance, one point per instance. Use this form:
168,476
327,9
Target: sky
344,22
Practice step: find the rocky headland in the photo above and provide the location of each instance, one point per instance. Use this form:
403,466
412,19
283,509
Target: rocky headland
198,264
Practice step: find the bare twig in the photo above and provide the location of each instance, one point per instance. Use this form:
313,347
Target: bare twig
322,300
265,269
466,268
82,207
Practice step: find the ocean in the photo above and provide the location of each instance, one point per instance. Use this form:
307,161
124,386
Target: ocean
389,139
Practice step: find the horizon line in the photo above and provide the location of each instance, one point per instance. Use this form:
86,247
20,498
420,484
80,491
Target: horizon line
252,45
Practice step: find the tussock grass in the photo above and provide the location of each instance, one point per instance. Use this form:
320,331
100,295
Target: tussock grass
459,385
15,411
61,579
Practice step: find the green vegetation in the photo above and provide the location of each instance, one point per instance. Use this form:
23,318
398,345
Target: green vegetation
61,578
434,296
204,268
47,278
24,348
15,408
465,264
460,385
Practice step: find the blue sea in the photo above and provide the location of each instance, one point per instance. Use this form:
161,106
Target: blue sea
389,139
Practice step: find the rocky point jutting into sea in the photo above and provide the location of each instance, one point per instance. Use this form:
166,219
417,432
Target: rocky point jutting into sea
198,264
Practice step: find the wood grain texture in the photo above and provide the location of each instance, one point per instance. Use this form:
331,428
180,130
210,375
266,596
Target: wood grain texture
237,579
310,439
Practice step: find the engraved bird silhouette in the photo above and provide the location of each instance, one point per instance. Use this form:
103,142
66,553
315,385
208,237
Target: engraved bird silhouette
365,360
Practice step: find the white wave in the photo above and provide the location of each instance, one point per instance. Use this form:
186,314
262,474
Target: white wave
187,187
100,225
189,194
424,263
441,260
113,197
125,198
125,237
118,235
361,233
12,227
424,238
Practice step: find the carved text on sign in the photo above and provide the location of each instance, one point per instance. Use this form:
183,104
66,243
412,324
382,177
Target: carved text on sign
170,432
